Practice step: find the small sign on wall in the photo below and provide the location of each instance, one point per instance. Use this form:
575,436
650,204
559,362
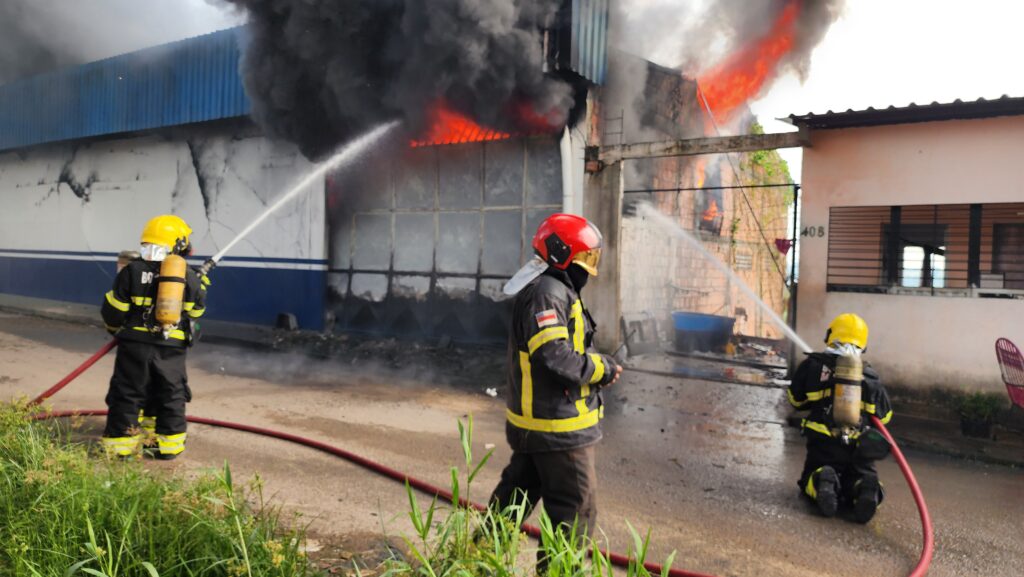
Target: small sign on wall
744,261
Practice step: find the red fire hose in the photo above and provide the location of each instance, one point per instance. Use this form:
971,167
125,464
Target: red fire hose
926,519
432,490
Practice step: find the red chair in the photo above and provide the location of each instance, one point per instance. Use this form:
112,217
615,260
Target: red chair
1011,365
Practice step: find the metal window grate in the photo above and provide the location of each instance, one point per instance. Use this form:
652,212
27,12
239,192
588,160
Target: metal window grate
926,249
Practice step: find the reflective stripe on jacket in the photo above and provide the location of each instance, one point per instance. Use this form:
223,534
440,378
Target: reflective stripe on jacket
812,386
128,308
554,374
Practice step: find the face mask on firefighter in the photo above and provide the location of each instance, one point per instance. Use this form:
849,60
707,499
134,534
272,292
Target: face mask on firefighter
154,252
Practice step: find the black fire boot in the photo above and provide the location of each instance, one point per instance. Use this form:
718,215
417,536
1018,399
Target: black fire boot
868,494
826,486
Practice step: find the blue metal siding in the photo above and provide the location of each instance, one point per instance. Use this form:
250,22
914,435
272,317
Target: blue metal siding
192,80
590,39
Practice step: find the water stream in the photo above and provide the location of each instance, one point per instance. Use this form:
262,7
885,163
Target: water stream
673,228
347,153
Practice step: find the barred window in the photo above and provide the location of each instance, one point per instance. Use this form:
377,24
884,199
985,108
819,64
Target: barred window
955,249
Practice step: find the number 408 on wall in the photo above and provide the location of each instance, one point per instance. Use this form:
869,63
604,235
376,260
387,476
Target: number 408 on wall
813,231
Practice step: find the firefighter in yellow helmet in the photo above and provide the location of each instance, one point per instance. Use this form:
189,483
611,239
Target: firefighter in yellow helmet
839,471
149,372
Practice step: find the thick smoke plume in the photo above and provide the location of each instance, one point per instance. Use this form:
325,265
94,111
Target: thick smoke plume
37,36
678,34
695,38
320,71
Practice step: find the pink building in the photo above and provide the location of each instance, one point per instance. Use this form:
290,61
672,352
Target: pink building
917,216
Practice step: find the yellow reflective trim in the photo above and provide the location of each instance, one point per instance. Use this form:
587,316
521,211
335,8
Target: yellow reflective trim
598,368
175,334
792,400
819,395
196,313
171,444
526,398
818,427
810,489
120,446
112,300
205,280
142,301
189,306
584,421
581,404
111,328
886,418
546,336
576,315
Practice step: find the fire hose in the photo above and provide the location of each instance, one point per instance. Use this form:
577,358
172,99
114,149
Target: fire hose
432,490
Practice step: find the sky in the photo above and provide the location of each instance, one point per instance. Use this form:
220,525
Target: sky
878,53
888,52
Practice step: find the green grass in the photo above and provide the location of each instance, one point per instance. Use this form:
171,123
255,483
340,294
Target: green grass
64,512
467,542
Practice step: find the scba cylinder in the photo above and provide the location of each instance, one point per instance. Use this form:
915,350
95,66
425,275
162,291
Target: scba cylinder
170,292
847,393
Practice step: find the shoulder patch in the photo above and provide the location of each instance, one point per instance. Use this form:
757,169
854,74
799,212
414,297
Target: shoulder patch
826,373
547,318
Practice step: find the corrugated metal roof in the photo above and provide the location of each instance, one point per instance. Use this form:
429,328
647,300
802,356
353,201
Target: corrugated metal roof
590,39
956,110
192,80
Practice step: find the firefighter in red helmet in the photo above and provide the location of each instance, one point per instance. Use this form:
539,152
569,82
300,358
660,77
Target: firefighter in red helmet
555,378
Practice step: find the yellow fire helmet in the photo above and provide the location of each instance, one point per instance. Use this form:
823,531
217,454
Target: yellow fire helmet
848,328
167,230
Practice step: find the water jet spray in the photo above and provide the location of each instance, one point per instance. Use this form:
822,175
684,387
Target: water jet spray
346,153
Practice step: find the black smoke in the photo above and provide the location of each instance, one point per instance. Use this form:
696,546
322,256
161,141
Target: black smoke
320,71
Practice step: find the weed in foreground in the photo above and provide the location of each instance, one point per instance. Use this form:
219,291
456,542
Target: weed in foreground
64,512
468,542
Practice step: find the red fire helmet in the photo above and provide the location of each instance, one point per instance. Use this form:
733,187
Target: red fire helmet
563,239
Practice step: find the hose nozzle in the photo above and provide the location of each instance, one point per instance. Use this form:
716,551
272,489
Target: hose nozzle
207,266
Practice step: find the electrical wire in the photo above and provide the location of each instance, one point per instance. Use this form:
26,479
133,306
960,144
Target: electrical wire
746,199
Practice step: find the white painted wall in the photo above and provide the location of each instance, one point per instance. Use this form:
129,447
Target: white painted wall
131,180
918,341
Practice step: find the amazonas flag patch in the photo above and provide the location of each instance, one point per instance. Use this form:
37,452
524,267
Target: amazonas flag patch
547,318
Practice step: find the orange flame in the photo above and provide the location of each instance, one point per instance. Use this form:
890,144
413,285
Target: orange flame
450,127
712,212
742,75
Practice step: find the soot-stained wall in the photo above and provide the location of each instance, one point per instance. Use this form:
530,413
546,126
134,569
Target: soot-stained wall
68,209
421,242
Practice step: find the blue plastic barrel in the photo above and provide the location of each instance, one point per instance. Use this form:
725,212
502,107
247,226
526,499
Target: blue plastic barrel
701,332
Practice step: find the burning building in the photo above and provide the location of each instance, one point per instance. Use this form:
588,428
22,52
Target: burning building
417,238
435,220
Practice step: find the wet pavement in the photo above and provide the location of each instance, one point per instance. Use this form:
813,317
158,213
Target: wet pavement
709,468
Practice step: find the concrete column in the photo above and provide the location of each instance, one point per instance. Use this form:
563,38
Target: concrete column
602,205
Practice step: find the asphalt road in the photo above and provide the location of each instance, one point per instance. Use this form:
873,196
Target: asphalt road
709,468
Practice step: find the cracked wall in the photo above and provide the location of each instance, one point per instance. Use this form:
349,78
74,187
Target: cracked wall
86,201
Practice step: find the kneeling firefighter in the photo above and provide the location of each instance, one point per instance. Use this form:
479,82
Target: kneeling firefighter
555,378
839,390
151,310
